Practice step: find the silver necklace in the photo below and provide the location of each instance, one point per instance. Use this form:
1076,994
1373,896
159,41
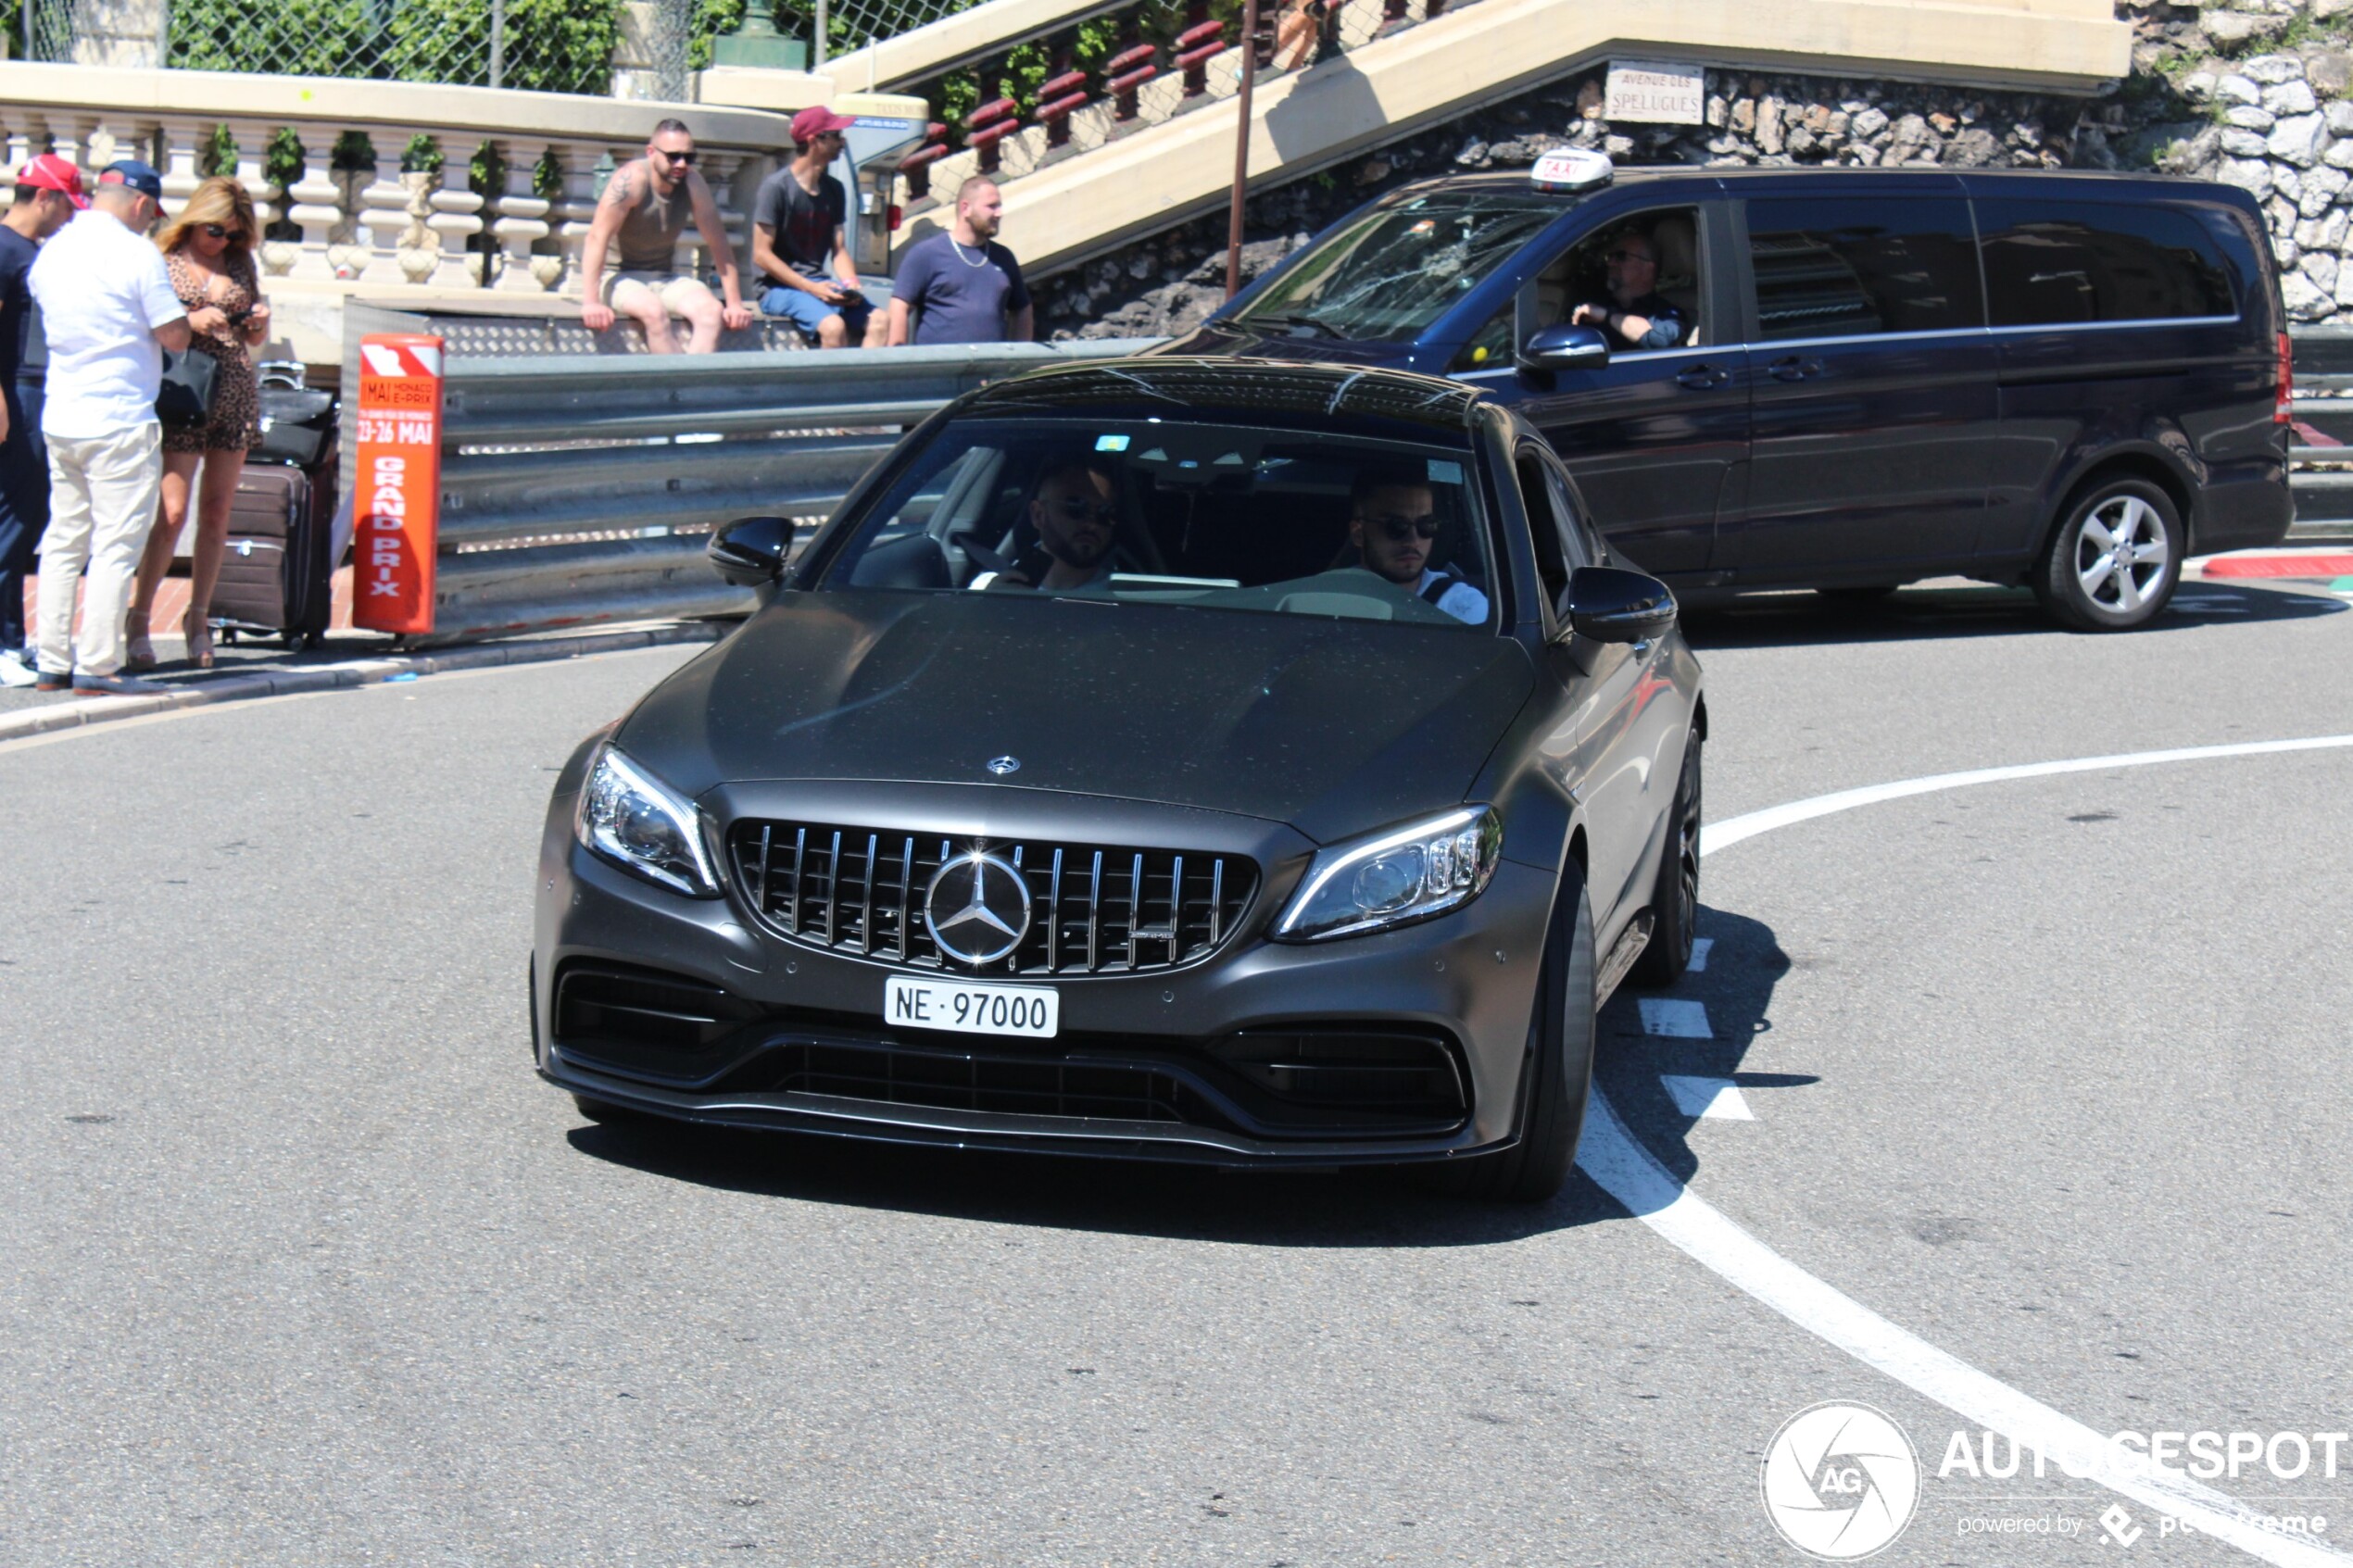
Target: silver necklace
958,246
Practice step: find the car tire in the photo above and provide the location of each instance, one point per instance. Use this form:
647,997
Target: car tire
1675,900
1558,1075
2084,585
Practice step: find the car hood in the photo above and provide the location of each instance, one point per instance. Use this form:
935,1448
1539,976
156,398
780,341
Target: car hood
1221,339
1330,726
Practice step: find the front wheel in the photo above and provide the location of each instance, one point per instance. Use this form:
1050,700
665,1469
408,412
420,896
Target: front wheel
1558,1076
2114,559
1675,902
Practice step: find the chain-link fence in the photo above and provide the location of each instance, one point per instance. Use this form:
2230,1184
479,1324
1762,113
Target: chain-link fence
595,47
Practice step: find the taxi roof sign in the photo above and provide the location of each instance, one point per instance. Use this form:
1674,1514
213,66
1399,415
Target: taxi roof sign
1573,169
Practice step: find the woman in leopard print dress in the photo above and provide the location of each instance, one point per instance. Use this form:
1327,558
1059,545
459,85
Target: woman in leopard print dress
208,248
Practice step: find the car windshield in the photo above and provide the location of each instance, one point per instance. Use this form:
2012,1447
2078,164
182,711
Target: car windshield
1213,516
1387,276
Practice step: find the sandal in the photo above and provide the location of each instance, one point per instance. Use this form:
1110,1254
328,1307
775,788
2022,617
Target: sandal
140,653
197,629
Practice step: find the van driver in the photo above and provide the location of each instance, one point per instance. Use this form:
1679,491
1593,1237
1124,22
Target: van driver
1635,315
1393,522
1075,512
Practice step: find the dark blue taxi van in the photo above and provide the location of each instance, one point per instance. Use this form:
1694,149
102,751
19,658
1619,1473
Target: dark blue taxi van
1849,378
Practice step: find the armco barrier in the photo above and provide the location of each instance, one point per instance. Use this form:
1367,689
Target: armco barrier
581,488
2323,433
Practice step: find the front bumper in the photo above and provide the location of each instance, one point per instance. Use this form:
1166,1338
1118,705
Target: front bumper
1136,1071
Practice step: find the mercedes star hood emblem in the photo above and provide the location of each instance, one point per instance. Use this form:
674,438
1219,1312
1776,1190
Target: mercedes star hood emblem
977,907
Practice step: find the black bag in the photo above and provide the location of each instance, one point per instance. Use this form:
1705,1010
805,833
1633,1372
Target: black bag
296,425
184,402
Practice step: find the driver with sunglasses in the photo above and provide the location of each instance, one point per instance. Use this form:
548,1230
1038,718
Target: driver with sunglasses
1636,314
1393,522
1075,512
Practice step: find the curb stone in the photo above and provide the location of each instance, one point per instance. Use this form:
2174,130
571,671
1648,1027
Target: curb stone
355,672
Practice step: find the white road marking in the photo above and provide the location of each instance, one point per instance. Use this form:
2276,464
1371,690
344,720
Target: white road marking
1704,1098
1630,1173
1675,1017
1699,954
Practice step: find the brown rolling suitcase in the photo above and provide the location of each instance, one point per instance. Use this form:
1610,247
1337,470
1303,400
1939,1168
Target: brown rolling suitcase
274,573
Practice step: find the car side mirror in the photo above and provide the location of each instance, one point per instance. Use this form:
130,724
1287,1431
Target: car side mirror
1612,605
750,552
1566,348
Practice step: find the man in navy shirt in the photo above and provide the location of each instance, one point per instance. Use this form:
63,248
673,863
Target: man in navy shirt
963,286
48,192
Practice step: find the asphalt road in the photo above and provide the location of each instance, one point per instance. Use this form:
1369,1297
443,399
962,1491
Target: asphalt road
301,1265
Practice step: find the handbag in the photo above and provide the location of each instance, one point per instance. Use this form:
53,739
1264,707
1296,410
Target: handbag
184,400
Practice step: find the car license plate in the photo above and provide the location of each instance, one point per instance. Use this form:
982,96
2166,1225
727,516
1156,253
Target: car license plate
967,1008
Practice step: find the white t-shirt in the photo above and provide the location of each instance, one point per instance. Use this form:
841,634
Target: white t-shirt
102,292
1461,601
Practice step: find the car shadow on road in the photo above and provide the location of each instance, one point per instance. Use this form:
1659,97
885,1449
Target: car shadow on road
1700,1031
1974,611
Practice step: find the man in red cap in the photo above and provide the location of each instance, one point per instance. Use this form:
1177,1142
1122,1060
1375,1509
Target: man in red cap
48,191
641,216
798,244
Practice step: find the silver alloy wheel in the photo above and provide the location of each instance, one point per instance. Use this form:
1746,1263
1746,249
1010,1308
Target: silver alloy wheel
2120,554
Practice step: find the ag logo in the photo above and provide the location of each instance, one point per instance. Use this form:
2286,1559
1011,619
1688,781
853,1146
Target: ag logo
1840,1481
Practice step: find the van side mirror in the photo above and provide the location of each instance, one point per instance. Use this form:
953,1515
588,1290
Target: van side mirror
1612,605
750,552
1566,348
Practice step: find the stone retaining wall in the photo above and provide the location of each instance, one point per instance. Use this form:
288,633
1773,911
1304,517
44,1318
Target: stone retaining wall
2253,96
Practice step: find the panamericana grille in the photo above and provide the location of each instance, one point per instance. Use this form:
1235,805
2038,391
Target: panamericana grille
1094,908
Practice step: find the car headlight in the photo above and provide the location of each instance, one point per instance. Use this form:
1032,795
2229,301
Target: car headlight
639,823
1393,878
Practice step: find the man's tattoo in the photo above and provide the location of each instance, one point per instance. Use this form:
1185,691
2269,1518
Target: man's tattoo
622,189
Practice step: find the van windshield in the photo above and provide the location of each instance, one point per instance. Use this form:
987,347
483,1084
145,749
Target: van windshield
1387,276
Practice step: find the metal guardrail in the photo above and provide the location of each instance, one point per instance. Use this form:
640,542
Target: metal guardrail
2323,413
579,488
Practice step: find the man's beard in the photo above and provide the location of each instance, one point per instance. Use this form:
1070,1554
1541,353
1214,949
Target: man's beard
1083,553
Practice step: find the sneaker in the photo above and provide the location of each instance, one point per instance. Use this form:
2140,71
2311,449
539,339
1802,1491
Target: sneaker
116,685
54,680
15,670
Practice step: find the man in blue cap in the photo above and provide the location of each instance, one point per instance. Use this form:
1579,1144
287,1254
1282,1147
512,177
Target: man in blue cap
109,312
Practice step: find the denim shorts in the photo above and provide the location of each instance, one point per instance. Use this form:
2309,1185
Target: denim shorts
807,312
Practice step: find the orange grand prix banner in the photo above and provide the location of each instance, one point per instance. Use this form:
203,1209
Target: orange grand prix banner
397,505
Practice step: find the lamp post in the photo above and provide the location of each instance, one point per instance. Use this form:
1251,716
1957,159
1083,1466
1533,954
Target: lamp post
1241,150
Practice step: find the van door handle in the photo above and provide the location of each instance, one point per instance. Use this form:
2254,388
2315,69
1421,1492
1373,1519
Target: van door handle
1699,378
1794,369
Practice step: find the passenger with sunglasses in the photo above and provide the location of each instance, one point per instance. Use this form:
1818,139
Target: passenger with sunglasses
1393,522
207,249
1075,513
640,218
1636,314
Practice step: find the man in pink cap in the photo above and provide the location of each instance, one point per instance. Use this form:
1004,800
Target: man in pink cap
799,245
640,218
48,191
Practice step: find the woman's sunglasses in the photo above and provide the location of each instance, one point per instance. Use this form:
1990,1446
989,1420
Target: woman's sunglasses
217,232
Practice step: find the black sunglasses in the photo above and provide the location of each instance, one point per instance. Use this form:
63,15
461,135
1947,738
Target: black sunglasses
1078,509
686,156
1623,256
1402,528
216,232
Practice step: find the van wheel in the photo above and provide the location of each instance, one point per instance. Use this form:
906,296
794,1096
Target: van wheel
1675,902
2114,559
1558,1076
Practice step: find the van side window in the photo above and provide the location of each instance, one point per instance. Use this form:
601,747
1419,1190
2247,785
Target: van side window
1647,266
1852,266
2050,262
1538,490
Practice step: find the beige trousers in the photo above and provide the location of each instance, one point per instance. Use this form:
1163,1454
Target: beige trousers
103,494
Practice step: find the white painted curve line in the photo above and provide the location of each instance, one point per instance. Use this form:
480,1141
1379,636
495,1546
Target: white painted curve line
1677,1018
1719,1098
1632,1174
1628,1173
1700,945
1723,834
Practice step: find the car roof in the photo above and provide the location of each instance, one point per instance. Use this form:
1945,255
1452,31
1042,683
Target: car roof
1289,389
1731,179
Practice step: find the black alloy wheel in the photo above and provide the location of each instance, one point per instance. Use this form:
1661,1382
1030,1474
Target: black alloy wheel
1558,1076
2116,558
1675,902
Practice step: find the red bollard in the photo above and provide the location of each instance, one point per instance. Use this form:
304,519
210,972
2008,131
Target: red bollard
396,503
1058,100
1125,72
1200,43
916,166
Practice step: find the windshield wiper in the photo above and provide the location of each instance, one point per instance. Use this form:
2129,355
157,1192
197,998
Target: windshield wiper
1315,325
